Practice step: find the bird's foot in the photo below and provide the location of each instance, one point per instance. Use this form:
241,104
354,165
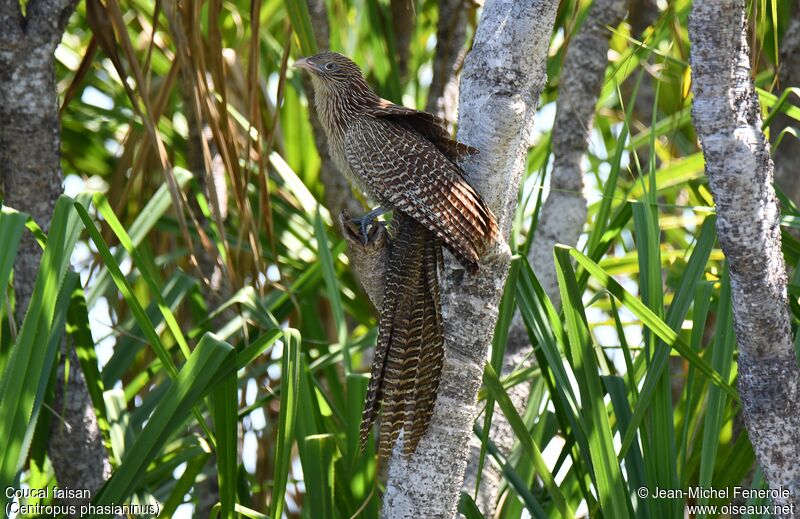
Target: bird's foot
365,221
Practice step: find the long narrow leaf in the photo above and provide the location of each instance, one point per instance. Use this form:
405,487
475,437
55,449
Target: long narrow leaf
21,382
649,319
170,413
492,383
290,378
611,487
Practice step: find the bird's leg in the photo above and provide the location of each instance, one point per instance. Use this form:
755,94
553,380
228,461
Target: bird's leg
365,221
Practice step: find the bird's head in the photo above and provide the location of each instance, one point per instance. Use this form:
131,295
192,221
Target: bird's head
330,69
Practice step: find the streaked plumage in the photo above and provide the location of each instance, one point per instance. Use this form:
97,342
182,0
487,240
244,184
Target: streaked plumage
405,160
409,352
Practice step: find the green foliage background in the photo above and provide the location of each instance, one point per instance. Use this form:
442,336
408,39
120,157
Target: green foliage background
633,384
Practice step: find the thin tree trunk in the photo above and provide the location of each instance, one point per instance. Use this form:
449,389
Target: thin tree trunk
451,34
216,285
785,155
338,194
564,213
403,18
503,77
31,177
740,171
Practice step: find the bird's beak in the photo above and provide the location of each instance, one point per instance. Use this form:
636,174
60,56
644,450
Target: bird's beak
304,63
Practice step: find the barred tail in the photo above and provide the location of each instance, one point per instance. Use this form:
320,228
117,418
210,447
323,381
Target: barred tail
410,347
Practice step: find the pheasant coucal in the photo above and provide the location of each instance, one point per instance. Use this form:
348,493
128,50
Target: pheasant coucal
404,159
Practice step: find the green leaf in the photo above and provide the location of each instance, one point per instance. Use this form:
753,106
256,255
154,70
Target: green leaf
332,287
171,411
290,377
634,466
721,360
183,485
301,23
150,278
120,435
649,319
224,412
495,388
468,508
322,452
544,324
133,303
23,382
499,340
155,208
80,333
607,473
12,225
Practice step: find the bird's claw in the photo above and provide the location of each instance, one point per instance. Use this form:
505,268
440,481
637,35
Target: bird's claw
363,224
366,221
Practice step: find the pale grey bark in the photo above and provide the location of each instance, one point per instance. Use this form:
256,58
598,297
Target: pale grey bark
785,156
76,444
564,213
503,437
31,179
641,15
503,77
740,172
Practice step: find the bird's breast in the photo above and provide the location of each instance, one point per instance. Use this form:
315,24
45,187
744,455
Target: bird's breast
336,146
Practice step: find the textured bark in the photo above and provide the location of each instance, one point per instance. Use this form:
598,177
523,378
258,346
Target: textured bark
785,155
564,211
29,137
31,177
740,171
501,434
338,194
451,34
641,15
76,445
503,77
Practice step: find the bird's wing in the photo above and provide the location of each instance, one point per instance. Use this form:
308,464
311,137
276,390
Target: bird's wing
428,125
409,173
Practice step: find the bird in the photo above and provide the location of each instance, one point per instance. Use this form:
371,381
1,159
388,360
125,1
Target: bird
406,160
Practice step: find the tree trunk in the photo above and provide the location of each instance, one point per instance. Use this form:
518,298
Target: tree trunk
740,171
582,75
564,213
785,155
31,177
338,193
403,18
451,33
503,77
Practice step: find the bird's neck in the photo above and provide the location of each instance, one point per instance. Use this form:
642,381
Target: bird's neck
338,107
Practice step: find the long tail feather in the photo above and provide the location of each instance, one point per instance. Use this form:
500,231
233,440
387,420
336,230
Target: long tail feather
410,348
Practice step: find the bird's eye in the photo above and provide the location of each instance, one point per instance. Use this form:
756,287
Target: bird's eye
330,66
